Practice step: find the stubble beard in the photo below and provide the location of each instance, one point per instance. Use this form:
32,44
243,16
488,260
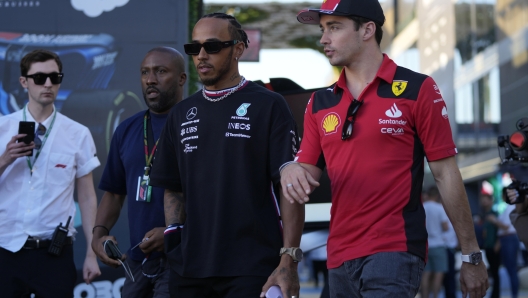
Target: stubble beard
222,72
166,101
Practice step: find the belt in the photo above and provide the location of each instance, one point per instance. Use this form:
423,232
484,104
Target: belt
33,243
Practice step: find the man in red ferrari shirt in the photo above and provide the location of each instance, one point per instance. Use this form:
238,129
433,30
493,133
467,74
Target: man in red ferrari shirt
372,130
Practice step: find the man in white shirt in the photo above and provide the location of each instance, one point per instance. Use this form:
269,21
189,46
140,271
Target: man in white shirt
37,182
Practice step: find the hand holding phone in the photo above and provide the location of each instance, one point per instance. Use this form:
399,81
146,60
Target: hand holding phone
114,253
27,128
111,250
274,292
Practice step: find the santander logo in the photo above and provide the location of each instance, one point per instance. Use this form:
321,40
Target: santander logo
393,112
444,113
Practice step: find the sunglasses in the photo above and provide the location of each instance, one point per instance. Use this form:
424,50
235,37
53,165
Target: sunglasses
348,127
40,78
211,47
152,268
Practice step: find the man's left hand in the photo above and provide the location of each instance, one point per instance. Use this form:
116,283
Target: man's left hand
90,268
154,242
473,280
286,277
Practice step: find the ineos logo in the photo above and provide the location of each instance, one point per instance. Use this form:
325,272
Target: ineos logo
191,113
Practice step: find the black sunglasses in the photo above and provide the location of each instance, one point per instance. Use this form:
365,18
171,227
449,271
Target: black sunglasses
152,268
40,78
211,47
348,127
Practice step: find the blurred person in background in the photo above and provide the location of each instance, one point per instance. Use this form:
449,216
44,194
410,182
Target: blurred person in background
436,222
509,244
519,216
451,241
491,242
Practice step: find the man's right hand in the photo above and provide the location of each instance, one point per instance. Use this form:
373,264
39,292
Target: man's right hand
297,183
15,150
98,248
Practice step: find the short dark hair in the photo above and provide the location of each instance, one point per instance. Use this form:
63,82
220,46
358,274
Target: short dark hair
433,192
39,55
235,29
359,21
177,57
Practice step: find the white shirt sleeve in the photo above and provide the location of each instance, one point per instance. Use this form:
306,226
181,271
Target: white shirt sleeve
86,156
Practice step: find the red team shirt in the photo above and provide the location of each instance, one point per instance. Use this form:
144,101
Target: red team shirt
376,175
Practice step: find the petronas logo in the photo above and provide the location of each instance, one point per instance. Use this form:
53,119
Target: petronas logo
242,109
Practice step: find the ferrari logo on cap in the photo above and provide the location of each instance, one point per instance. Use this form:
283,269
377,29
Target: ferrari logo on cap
330,4
330,123
398,86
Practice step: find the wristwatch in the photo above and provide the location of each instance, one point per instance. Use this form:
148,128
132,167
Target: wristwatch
473,258
295,252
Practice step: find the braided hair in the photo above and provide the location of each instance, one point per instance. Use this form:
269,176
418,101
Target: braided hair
235,29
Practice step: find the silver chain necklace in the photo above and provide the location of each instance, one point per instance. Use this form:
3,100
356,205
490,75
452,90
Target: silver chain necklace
242,81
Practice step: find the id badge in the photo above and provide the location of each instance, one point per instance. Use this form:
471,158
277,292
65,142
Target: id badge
144,190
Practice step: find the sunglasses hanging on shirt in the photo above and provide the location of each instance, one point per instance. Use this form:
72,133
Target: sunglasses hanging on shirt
348,127
41,130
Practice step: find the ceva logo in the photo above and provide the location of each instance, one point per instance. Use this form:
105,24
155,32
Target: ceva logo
94,9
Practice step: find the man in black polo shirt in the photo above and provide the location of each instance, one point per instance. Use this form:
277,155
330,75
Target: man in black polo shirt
218,159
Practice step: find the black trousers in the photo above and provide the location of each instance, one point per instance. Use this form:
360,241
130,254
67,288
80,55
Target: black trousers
216,287
35,271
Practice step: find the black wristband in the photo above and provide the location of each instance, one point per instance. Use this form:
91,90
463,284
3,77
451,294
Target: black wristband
100,226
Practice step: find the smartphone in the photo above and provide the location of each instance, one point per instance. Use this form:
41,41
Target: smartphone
274,292
27,128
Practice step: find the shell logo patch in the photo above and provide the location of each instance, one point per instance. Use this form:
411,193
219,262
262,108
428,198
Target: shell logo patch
330,123
398,86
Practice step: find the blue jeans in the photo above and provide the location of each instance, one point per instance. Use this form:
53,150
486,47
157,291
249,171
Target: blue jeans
385,274
509,251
